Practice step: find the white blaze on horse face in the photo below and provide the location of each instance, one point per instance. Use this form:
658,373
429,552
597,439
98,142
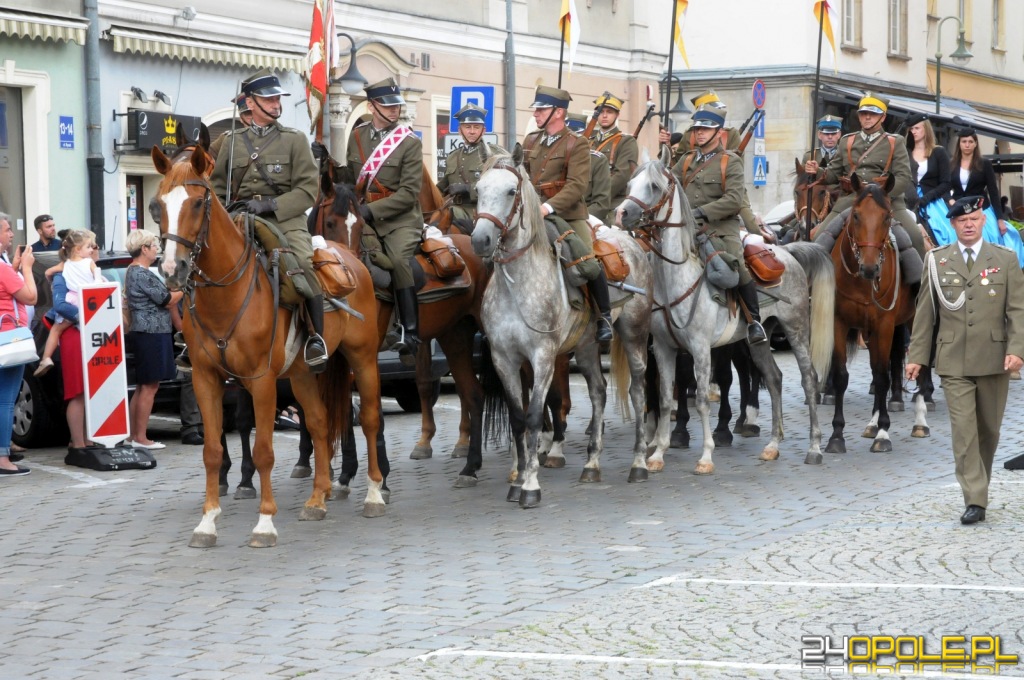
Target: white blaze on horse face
173,200
350,222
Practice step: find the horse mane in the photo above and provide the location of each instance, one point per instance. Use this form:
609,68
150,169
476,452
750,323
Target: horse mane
344,196
655,174
531,202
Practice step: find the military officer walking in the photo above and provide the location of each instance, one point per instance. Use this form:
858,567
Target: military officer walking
973,294
272,170
620,149
386,160
558,161
462,167
599,195
712,178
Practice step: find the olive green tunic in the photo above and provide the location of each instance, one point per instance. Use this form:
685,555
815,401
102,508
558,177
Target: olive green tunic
599,196
549,164
623,154
463,166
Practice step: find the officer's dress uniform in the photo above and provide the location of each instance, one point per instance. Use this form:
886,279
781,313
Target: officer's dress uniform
599,194
972,343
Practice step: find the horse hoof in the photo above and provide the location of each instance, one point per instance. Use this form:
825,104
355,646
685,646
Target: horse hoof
202,540
655,465
420,452
930,406
637,474
836,446
814,459
769,454
371,510
870,432
263,540
723,439
466,482
529,499
590,475
828,400
553,462
920,431
244,492
747,430
704,469
881,446
461,451
386,495
301,472
679,440
340,492
312,514
897,406
871,390
514,494
223,490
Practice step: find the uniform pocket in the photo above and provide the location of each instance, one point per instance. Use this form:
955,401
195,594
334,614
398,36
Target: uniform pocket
998,335
945,336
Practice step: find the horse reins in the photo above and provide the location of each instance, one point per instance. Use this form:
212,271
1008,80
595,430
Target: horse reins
504,227
648,217
855,247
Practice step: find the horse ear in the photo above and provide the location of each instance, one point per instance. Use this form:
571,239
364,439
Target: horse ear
180,140
201,164
799,166
204,137
517,154
160,160
665,155
485,151
890,182
855,182
327,182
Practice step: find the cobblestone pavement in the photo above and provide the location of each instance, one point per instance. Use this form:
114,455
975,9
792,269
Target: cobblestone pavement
684,576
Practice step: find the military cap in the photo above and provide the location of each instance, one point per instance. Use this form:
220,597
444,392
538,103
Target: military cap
550,97
709,116
707,98
471,113
873,103
263,84
243,106
965,206
830,122
385,92
609,100
576,122
916,118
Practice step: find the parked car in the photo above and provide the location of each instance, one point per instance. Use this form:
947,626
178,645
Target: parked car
399,381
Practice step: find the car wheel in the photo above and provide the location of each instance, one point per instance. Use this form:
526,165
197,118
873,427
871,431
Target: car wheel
35,426
408,397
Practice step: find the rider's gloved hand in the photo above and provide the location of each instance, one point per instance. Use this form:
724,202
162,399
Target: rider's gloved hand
698,214
261,206
319,150
366,213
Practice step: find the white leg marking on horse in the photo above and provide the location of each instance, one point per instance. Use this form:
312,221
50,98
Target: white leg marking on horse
556,450
208,525
173,199
373,495
920,410
874,419
882,435
547,440
751,415
265,525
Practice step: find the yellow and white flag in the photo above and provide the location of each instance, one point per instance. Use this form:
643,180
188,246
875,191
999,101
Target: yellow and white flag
680,13
569,24
824,14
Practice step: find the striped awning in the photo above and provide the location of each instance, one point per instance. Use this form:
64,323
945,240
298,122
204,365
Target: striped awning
42,26
129,40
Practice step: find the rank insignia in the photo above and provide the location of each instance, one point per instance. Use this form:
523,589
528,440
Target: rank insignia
943,261
991,292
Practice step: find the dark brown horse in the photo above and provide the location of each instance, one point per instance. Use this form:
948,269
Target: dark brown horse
234,329
812,202
871,296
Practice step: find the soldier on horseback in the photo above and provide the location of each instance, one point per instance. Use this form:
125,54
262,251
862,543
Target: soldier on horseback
829,129
558,161
272,172
462,167
619,148
712,179
386,161
599,195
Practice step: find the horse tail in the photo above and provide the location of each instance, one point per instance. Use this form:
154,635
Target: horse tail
336,392
496,426
821,278
621,376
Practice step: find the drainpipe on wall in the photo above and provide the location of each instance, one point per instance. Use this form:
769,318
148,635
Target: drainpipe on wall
510,80
94,130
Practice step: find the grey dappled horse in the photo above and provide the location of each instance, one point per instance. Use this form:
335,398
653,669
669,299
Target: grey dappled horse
528,319
686,317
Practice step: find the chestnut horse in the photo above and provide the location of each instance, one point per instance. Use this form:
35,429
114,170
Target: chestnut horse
234,329
872,296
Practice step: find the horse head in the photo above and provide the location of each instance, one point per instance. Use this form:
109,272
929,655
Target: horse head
508,210
649,191
342,221
867,227
810,194
184,201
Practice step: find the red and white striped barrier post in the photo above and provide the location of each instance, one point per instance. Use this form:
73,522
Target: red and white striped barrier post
106,375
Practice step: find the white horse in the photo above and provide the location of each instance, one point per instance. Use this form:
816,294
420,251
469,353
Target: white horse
686,317
528,319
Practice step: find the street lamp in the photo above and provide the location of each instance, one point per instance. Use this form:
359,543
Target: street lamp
353,81
676,116
960,56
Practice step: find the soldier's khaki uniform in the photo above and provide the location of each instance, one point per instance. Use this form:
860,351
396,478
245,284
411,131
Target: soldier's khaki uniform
704,189
623,155
972,344
823,158
730,139
561,176
289,164
393,196
463,166
599,195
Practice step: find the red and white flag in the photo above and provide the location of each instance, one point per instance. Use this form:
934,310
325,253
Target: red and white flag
321,58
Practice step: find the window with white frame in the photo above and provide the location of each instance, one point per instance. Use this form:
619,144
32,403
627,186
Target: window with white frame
898,28
852,12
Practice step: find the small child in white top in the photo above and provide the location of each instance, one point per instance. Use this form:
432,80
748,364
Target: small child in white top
79,269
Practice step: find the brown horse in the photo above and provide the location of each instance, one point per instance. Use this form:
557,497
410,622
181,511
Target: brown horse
812,203
452,321
871,296
235,329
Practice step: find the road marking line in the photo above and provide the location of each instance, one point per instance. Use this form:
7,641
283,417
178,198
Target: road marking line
595,658
88,481
815,584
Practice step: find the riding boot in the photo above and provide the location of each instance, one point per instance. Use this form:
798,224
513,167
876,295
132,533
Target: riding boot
755,332
315,352
408,316
599,290
183,362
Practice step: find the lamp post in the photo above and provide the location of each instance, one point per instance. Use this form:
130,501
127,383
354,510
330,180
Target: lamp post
340,106
353,81
960,56
677,113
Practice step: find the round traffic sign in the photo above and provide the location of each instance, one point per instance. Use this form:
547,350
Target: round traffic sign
758,92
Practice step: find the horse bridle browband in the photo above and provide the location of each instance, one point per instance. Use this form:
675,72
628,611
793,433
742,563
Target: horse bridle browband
648,214
504,227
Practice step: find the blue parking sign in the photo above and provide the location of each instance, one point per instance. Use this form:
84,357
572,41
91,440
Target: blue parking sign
67,132
481,95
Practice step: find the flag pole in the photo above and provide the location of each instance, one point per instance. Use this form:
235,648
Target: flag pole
814,113
327,67
561,51
668,76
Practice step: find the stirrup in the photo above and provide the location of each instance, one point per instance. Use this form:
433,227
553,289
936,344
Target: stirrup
315,351
407,345
183,362
604,329
755,333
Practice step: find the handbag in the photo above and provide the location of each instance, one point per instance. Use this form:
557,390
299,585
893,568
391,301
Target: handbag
17,346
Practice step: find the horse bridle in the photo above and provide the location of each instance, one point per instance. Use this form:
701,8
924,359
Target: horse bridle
513,221
817,215
648,219
856,246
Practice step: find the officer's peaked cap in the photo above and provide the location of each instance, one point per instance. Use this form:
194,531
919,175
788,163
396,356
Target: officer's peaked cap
471,113
385,92
609,100
263,84
873,103
709,116
830,122
550,97
576,122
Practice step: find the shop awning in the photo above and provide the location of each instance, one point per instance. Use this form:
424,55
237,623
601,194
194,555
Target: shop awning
190,49
43,26
955,112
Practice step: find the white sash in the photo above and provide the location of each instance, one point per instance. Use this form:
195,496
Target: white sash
380,154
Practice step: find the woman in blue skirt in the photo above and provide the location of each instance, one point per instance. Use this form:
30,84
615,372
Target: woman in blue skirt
929,166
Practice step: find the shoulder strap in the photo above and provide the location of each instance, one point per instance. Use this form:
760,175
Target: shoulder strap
892,150
254,158
725,164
